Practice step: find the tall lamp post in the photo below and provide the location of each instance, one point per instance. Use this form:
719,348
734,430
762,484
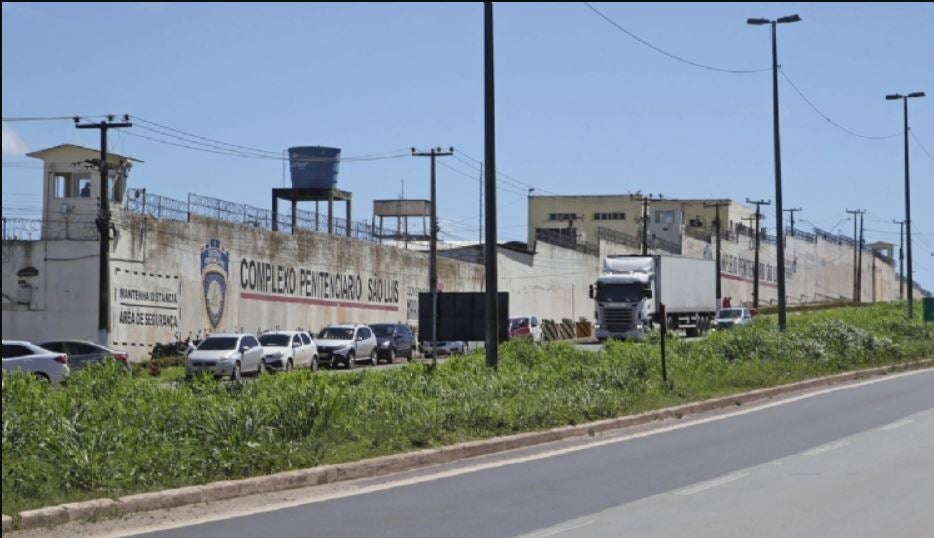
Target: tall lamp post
779,211
911,286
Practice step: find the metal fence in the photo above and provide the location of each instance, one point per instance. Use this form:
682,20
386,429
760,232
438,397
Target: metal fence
161,207
558,238
21,229
623,238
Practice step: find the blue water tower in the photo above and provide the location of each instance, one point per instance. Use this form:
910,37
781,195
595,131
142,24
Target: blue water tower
314,167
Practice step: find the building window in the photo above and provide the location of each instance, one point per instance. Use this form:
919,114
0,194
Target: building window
610,216
665,217
62,185
562,216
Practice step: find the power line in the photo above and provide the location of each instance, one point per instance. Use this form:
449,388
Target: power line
516,182
920,145
50,118
670,55
826,117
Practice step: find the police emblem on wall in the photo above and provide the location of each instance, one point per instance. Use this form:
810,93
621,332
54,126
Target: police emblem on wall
215,264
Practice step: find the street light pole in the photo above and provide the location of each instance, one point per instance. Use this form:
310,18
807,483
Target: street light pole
911,286
779,227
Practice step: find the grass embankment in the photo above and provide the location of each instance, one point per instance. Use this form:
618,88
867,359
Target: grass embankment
108,434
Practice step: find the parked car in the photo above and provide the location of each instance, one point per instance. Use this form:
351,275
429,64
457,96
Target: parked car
527,327
346,344
82,353
19,356
284,350
445,348
226,355
732,317
393,340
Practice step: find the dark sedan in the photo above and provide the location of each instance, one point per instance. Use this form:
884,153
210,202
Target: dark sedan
82,353
393,340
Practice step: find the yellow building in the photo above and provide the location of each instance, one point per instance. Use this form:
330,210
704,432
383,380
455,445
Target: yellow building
582,218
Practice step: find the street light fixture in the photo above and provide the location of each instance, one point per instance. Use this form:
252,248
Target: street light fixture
911,286
779,210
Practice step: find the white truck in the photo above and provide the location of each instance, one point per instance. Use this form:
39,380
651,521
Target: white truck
628,294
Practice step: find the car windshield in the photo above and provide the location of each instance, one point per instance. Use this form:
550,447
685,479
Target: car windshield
518,323
631,291
730,313
383,331
275,340
335,333
219,343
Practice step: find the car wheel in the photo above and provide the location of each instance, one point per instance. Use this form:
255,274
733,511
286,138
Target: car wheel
374,357
235,375
391,357
350,361
314,364
288,365
42,377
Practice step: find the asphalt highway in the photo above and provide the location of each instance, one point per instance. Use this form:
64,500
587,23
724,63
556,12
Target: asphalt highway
850,461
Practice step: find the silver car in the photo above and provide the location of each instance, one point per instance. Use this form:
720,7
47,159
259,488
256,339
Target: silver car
21,356
733,317
346,344
226,355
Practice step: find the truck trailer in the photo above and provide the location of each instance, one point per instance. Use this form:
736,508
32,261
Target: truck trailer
628,294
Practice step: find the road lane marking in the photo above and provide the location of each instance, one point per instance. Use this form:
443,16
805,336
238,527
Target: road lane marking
353,491
704,486
562,528
826,448
896,424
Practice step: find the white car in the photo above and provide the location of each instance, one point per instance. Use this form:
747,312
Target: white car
19,356
733,317
284,350
346,344
445,348
226,355
527,327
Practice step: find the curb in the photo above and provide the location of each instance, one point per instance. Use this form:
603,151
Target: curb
326,474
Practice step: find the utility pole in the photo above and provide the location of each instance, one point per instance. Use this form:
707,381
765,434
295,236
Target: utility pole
792,212
480,214
755,270
859,263
489,151
901,258
645,220
911,286
433,249
856,214
103,226
716,223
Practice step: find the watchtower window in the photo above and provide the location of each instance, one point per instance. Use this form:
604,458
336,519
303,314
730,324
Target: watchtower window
71,185
62,185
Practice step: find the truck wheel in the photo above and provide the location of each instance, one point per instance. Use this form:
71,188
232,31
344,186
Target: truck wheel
692,332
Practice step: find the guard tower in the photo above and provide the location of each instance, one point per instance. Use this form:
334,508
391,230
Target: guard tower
401,210
314,179
71,189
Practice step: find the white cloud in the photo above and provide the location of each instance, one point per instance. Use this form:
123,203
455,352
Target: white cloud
12,145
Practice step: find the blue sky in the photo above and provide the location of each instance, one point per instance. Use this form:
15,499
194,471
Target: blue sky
582,108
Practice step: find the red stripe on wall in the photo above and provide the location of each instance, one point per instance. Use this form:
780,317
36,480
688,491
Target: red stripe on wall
749,280
319,302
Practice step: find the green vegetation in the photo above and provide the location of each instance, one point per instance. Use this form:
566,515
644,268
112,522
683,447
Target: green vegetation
108,434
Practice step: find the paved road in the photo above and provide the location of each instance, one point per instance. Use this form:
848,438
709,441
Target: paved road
858,461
